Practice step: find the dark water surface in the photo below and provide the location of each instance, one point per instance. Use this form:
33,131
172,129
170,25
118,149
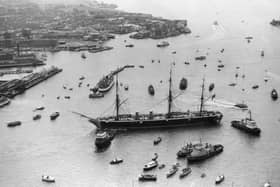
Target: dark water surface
65,148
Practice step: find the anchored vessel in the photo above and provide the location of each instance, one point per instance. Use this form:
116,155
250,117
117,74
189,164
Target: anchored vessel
162,120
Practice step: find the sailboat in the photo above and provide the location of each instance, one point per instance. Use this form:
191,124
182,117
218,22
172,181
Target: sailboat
160,120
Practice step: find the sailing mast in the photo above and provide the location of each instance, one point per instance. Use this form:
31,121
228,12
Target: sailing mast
170,93
202,98
117,98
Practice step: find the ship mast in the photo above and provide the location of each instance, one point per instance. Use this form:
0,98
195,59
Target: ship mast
202,98
170,93
117,98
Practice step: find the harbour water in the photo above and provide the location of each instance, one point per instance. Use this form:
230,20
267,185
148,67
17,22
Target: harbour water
65,149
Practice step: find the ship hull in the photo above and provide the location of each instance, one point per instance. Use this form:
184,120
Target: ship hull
157,124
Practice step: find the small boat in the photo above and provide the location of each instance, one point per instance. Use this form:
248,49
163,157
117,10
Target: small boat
163,44
81,78
116,161
173,52
47,178
185,172
129,45
96,95
36,117
267,184
54,115
262,53
4,101
125,87
150,165
183,84
222,50
151,90
211,87
248,37
39,108
203,175
219,179
141,66
274,94
67,97
241,105
14,123
155,157
83,56
215,23
157,141
172,171
161,166
255,87
187,63
232,84
147,177
221,65
200,58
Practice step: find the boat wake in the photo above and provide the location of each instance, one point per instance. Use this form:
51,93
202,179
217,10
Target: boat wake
221,103
273,75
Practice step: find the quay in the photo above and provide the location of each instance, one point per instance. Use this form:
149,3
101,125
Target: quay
17,86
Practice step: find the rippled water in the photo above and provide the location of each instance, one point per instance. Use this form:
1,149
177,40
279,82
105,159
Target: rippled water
65,148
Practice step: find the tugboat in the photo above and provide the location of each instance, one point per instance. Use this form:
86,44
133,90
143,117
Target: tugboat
219,179
163,44
274,94
4,101
161,120
172,171
185,172
151,90
54,115
183,84
248,125
14,124
47,178
103,139
147,177
202,152
152,164
116,161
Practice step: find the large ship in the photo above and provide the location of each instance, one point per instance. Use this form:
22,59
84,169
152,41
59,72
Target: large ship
162,120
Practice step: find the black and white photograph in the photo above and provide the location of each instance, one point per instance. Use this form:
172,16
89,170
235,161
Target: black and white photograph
139,93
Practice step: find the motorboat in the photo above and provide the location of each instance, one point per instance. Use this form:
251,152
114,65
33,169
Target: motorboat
47,178
219,179
211,87
152,164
